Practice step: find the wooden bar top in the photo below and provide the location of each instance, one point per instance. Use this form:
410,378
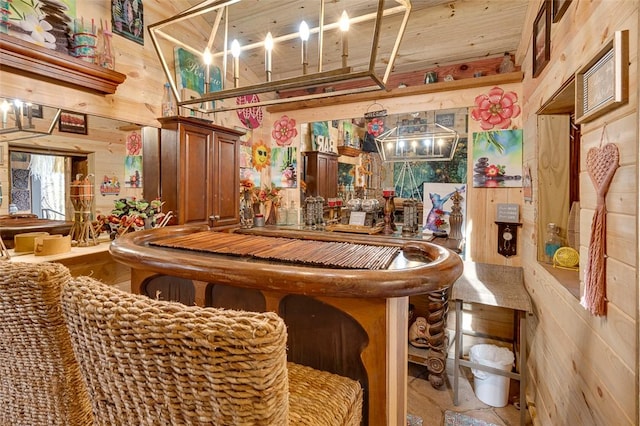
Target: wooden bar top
421,267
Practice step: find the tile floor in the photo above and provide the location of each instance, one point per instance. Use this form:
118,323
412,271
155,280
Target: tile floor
430,404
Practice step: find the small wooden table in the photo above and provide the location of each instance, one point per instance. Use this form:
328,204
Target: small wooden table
501,286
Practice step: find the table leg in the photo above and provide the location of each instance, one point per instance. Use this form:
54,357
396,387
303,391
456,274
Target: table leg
523,367
457,351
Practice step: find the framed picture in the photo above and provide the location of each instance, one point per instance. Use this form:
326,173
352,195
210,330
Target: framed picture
541,39
71,122
603,83
558,8
127,19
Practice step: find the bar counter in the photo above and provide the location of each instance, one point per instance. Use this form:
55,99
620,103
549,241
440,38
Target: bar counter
352,322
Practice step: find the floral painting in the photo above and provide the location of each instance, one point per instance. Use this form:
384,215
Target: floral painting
127,19
44,22
284,168
438,203
284,130
497,159
496,109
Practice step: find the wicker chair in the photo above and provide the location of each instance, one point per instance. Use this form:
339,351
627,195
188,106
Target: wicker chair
40,380
151,362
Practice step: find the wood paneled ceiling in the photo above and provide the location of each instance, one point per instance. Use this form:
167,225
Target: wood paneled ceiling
439,32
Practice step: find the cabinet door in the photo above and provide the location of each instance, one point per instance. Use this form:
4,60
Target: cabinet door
195,164
225,181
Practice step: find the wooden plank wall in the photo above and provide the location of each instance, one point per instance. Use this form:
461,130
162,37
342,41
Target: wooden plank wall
137,100
584,369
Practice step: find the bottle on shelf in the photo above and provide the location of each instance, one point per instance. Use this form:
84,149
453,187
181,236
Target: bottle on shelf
552,242
168,103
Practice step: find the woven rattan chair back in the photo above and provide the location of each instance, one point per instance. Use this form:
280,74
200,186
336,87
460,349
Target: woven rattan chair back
40,380
151,362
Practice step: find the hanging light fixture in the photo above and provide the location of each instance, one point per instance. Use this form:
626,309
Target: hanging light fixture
362,67
23,120
417,142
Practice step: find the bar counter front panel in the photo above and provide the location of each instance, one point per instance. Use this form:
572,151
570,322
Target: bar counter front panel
352,322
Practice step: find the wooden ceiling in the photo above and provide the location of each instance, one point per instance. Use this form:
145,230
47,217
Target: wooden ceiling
438,33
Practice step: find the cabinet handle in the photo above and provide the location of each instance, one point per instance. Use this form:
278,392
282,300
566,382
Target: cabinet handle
213,218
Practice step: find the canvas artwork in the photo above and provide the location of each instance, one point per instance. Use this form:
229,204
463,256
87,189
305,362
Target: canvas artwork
133,171
438,203
127,19
346,174
454,171
45,22
323,136
190,72
284,167
497,159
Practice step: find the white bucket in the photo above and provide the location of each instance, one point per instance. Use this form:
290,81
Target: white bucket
492,389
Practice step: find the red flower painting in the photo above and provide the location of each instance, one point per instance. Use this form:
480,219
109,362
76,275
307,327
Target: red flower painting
284,130
496,109
375,127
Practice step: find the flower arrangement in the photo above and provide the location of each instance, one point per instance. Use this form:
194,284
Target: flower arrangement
135,214
264,200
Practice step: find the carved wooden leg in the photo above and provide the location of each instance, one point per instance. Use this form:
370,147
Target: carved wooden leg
437,308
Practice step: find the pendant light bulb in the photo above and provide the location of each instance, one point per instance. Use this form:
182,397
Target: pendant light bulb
344,21
304,31
235,49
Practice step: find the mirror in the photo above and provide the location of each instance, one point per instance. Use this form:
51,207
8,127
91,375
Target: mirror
45,148
419,147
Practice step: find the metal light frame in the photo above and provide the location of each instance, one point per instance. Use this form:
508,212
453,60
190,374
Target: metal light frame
21,129
410,145
344,74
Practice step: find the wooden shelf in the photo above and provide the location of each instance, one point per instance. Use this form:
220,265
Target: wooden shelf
349,151
20,56
444,86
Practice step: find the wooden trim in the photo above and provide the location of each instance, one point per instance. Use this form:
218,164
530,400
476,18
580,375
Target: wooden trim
444,86
20,56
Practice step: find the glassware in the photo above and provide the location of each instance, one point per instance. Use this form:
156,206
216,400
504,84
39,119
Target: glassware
552,242
292,214
310,211
168,104
106,57
281,215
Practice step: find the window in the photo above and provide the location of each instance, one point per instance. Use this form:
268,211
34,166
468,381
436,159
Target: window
559,173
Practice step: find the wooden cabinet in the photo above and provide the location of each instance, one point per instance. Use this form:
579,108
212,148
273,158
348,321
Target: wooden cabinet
321,173
196,171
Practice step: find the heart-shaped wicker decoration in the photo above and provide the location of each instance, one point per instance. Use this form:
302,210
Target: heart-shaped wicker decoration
602,163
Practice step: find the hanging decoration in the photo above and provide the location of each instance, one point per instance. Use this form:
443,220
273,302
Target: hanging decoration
495,109
261,154
375,127
134,144
602,163
284,130
250,117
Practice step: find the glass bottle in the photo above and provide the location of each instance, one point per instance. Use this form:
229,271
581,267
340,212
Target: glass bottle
107,57
281,215
552,242
292,214
168,104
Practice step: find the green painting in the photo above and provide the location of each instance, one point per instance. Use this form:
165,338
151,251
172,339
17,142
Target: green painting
497,159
